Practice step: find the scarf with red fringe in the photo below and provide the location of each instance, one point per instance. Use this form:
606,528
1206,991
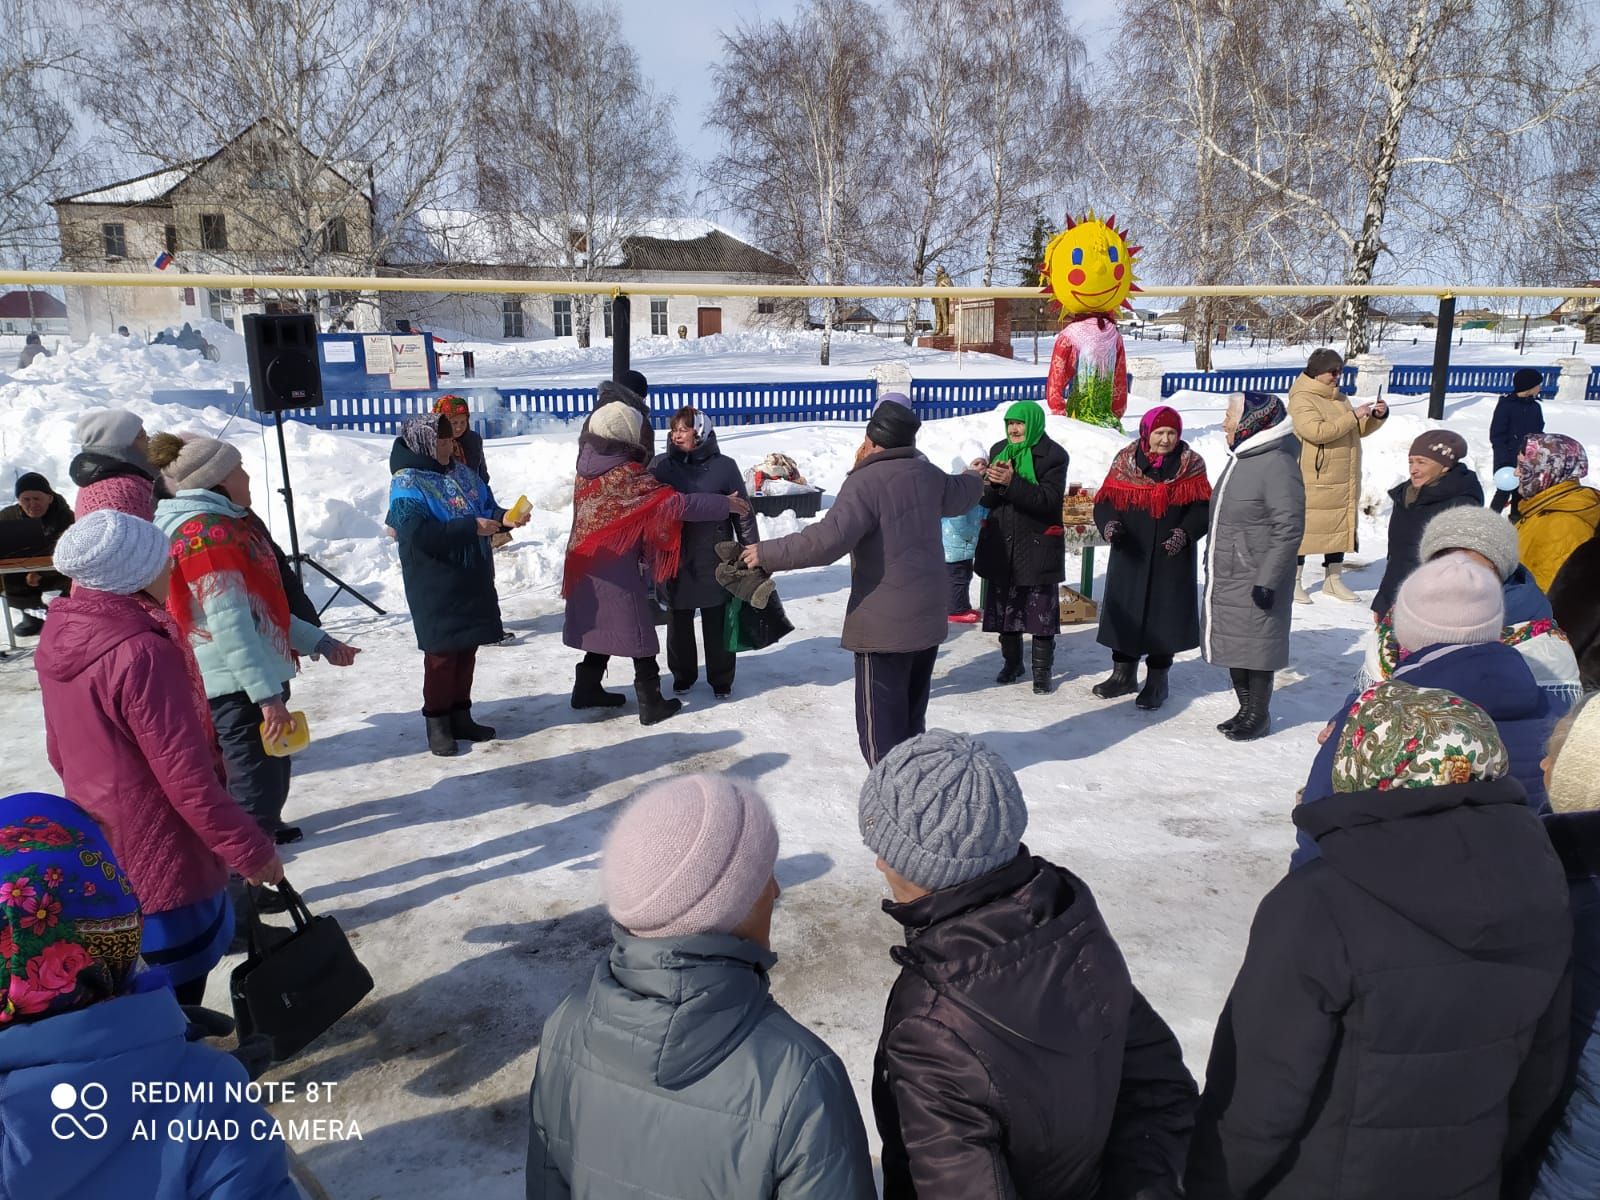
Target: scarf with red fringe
613,513
1127,486
209,548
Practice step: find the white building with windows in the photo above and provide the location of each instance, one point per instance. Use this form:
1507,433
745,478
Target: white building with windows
676,251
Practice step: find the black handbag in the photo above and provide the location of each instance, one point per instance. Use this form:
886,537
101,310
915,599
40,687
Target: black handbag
751,628
294,990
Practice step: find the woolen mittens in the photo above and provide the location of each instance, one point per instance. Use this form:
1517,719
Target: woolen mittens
1263,597
691,854
942,809
1468,527
1452,601
1176,541
110,551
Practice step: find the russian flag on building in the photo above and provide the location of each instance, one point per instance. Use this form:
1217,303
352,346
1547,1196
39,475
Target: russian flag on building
163,260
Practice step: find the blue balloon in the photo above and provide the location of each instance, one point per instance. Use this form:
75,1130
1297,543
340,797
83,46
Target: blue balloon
1506,479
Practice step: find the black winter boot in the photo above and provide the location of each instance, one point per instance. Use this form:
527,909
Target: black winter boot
1044,661
466,729
1123,680
441,737
587,692
1240,678
1154,693
1256,719
1011,652
653,707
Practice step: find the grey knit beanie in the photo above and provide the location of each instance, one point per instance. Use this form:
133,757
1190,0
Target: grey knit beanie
112,428
1469,527
941,809
202,463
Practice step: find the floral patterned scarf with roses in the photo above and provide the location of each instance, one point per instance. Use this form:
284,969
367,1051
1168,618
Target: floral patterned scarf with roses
70,925
213,553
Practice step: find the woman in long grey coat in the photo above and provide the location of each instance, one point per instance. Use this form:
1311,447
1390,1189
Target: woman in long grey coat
1258,516
623,522
694,463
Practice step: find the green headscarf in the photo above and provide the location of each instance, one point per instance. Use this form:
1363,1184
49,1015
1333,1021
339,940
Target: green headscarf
1020,454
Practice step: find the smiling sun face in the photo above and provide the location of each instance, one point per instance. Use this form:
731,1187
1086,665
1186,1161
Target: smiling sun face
1088,267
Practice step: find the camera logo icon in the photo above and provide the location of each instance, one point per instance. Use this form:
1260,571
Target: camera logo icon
68,1124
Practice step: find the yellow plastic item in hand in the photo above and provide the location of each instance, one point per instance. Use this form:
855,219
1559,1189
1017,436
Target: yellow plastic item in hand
518,510
296,740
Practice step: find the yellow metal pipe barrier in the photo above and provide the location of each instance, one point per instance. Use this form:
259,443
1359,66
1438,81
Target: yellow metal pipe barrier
615,287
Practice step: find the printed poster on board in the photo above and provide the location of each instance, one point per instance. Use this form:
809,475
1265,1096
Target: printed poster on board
380,359
410,366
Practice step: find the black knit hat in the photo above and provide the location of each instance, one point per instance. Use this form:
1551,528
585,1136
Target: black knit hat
636,383
32,481
1525,378
893,423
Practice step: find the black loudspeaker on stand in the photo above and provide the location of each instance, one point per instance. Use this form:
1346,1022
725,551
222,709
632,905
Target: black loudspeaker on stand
282,353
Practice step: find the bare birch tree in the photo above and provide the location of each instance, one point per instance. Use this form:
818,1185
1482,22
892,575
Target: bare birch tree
343,100
566,128
36,130
799,104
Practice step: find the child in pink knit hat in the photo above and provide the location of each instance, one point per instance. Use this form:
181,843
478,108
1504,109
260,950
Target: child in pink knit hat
678,1033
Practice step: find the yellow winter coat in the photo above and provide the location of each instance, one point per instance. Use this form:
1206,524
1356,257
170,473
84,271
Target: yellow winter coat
1330,436
1552,525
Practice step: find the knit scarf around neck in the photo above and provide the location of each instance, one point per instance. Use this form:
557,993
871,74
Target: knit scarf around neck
210,549
620,511
1128,486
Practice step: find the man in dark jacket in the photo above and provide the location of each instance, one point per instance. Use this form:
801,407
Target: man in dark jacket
1017,1059
1516,416
1399,1026
886,517
36,501
1437,479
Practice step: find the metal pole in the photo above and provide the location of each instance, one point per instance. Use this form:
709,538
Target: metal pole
288,501
1441,356
621,335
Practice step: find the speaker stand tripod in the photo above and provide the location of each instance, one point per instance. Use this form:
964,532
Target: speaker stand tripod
302,561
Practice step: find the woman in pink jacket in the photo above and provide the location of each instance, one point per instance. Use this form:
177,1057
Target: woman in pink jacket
132,744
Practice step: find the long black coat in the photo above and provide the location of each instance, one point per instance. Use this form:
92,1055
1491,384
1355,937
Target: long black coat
1017,1058
1399,1026
1151,603
703,469
1575,603
1456,487
1020,542
449,577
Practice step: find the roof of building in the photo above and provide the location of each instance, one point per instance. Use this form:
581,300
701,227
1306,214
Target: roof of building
38,305
715,252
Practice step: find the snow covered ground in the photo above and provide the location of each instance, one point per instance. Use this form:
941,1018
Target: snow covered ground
469,885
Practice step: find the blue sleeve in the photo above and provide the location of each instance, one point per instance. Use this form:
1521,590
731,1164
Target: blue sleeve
413,524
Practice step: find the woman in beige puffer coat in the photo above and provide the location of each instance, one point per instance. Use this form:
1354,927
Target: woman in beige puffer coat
1330,430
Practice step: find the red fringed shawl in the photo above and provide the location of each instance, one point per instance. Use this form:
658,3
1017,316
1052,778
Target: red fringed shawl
206,550
1127,486
613,513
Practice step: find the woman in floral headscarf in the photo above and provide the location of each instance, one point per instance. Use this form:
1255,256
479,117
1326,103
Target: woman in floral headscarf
468,445
1557,514
443,516
1021,548
1153,508
1399,1023
82,1020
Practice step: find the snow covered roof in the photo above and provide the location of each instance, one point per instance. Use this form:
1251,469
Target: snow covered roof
40,305
462,237
143,189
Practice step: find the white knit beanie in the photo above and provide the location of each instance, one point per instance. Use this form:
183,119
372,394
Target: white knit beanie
1575,777
1451,601
1469,527
111,551
201,464
618,422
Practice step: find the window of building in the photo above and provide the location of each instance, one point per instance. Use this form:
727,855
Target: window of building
213,231
511,317
605,309
766,306
658,318
335,237
171,239
219,306
562,319
115,238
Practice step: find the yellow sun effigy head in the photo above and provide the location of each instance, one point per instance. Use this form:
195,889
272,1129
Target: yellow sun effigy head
1088,267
